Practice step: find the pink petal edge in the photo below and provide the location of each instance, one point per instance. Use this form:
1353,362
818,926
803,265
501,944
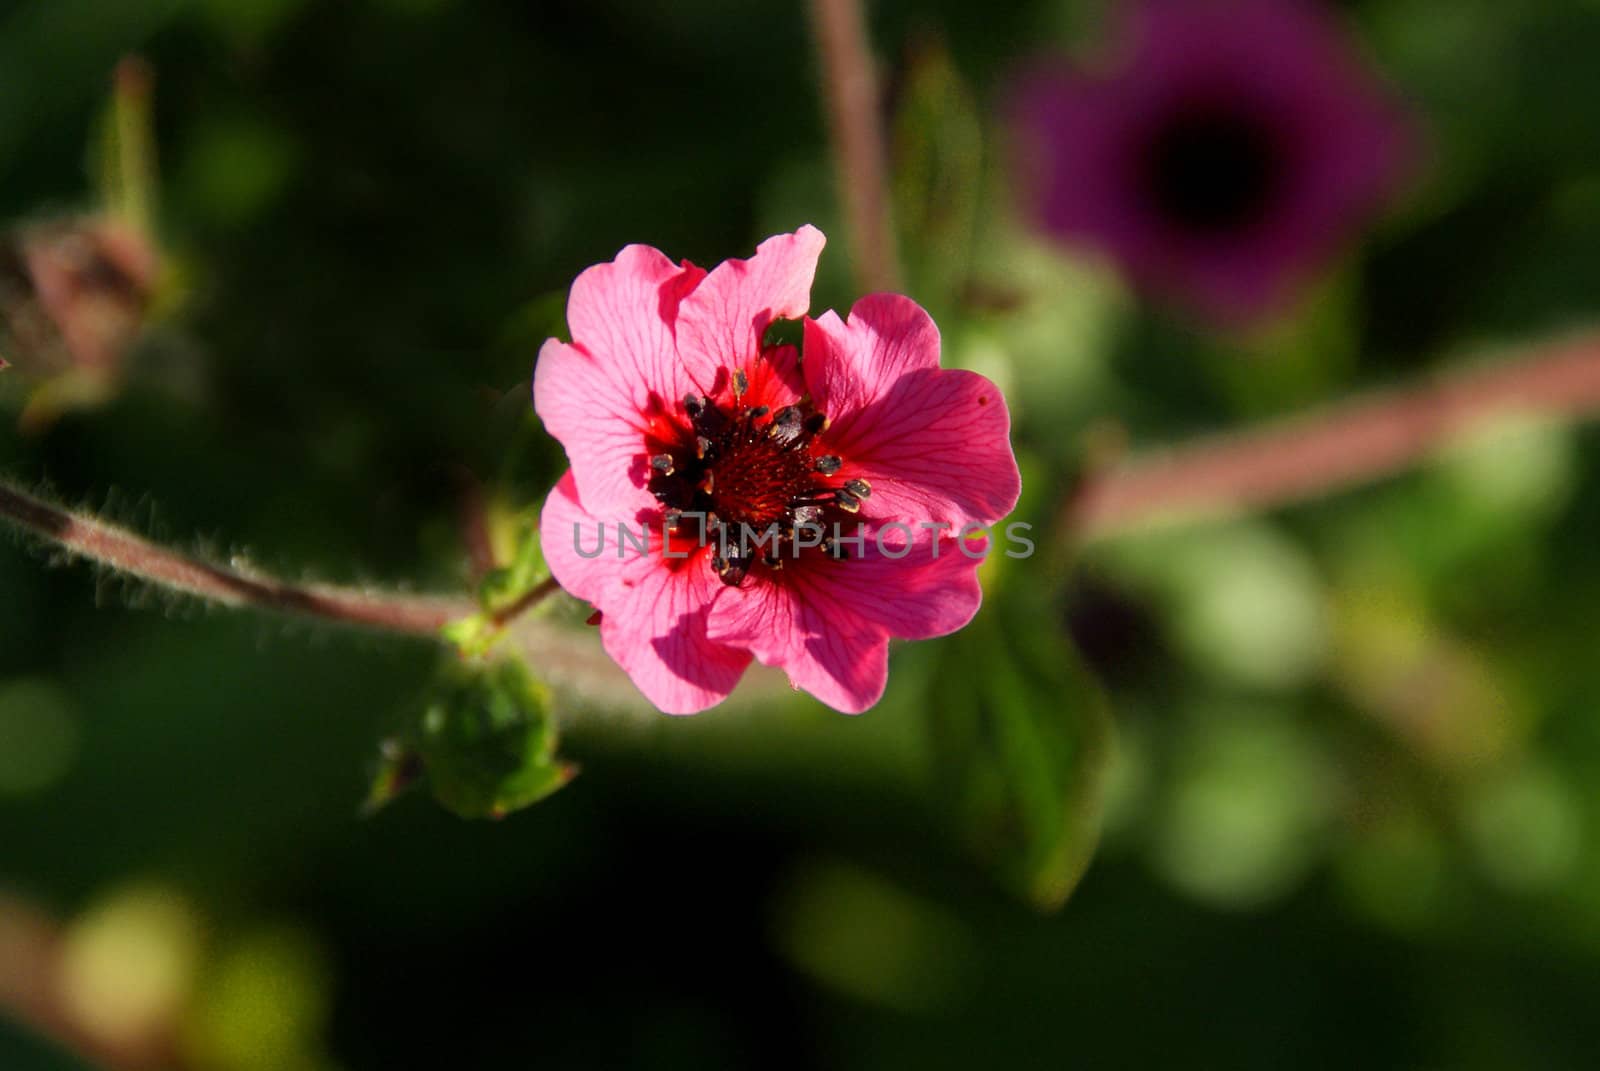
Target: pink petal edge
828,628
934,444
654,612
721,323
600,395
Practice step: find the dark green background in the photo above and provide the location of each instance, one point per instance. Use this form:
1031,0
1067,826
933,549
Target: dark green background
1307,862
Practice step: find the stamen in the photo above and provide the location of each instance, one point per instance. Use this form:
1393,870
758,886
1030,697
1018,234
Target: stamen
751,469
731,571
787,427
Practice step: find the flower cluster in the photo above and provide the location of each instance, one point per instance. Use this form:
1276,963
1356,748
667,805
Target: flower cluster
798,512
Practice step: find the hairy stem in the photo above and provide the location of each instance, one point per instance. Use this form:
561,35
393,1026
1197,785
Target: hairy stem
1288,461
116,548
850,86
1340,446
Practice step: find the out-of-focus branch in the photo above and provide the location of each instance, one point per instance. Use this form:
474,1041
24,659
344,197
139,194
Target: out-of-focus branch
850,87
1337,447
83,536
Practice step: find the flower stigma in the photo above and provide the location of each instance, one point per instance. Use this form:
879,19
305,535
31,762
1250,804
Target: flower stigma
746,480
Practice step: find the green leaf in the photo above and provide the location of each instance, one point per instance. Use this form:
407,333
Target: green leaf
938,168
1021,740
485,744
473,637
1021,737
515,541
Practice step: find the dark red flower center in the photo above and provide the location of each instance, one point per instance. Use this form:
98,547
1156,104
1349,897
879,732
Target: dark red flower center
745,480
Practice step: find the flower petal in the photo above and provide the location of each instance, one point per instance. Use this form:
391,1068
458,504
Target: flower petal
653,609
575,543
905,582
597,421
843,662
654,626
721,323
934,444
623,313
619,381
851,364
775,379
827,623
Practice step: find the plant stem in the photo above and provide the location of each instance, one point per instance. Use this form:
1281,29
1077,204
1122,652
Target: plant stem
116,548
850,86
534,596
1288,461
1336,447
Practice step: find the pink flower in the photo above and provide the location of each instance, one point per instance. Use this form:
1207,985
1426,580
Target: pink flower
683,425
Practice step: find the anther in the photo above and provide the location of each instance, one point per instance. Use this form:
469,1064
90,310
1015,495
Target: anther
741,383
702,447
758,412
693,406
731,571
847,501
787,428
828,464
662,463
859,488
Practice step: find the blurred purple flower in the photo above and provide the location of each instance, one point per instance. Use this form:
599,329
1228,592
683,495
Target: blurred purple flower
1224,151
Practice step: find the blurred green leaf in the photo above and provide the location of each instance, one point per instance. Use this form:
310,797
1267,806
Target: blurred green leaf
485,745
1021,739
515,539
938,168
